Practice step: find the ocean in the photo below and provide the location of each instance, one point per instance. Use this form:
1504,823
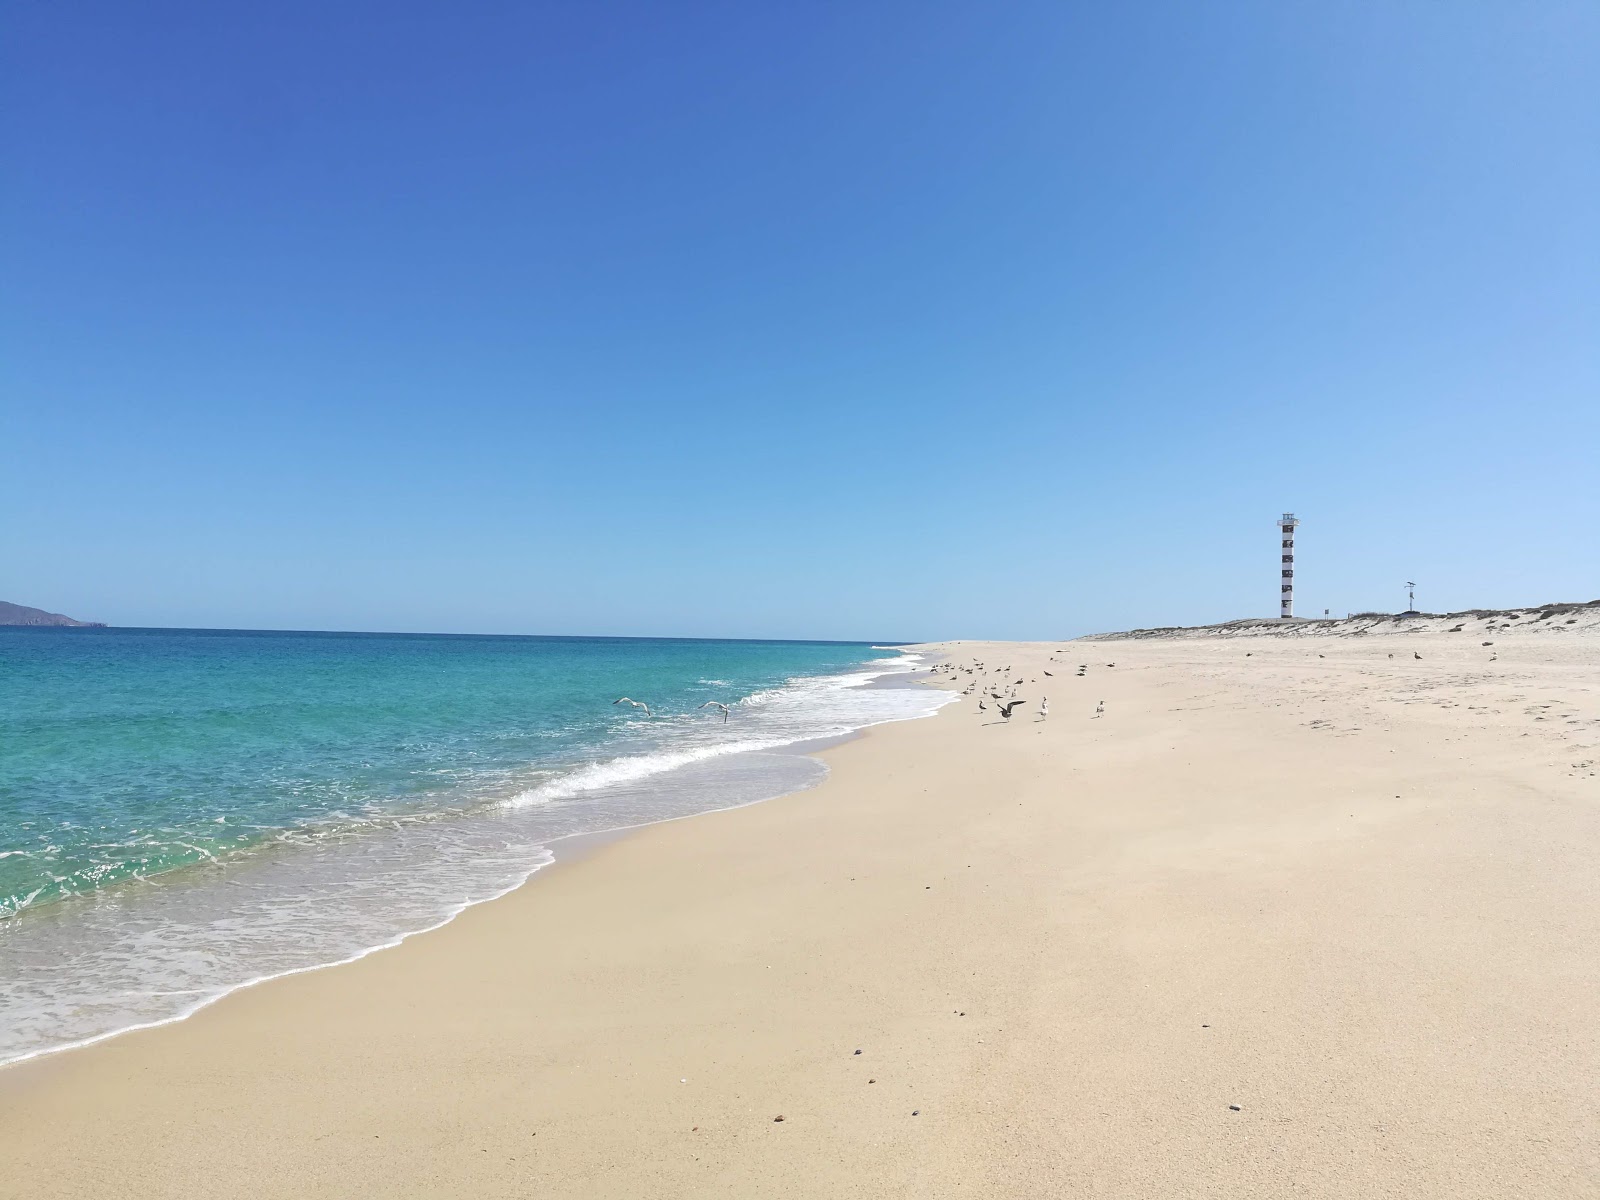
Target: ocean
186,812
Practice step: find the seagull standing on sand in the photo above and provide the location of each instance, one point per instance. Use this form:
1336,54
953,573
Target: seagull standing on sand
1100,708
1044,708
717,704
635,703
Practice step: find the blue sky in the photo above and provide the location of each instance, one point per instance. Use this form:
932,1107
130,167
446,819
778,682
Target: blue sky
837,320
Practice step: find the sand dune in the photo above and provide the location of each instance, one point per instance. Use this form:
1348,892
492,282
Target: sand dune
1540,618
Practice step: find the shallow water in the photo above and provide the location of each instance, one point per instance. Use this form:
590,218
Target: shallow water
184,812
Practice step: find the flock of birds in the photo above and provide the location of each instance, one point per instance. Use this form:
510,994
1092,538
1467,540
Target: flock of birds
641,704
997,684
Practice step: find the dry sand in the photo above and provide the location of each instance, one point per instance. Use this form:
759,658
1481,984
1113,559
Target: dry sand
1355,896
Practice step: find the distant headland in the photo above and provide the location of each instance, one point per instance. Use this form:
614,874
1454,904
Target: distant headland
21,614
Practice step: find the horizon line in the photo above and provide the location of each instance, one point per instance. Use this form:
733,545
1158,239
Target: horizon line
580,637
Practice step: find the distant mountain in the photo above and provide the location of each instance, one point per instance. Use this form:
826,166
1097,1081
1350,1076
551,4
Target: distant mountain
21,614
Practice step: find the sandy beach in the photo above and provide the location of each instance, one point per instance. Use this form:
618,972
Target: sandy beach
1301,913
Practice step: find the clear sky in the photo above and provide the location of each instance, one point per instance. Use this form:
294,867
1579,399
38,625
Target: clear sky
877,320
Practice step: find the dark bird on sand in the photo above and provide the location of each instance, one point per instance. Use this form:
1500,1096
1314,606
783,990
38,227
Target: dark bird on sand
1006,709
1415,655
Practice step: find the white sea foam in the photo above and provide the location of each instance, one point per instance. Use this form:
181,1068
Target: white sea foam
597,776
806,708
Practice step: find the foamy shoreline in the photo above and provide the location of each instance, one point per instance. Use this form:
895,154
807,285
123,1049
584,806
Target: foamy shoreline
674,785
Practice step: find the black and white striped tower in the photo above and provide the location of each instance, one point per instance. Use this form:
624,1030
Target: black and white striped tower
1287,523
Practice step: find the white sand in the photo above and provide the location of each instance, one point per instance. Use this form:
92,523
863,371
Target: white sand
1354,895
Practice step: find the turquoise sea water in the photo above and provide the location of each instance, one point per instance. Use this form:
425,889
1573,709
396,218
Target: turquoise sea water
183,812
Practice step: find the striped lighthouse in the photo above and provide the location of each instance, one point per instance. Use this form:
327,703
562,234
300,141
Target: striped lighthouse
1286,523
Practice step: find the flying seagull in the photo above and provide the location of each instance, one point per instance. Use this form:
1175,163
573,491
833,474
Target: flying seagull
717,704
635,703
1005,709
